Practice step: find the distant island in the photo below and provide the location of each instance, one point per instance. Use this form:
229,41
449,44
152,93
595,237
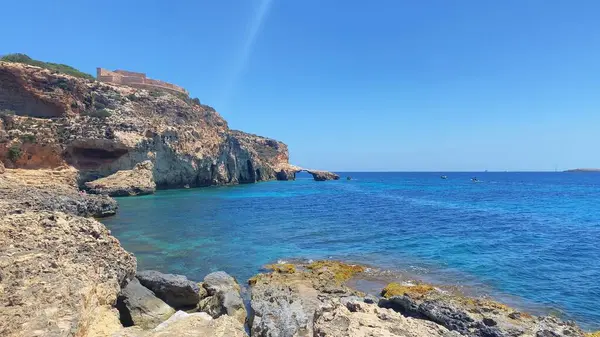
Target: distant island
584,170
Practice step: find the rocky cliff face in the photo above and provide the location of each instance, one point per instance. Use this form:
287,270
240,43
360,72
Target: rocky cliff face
48,120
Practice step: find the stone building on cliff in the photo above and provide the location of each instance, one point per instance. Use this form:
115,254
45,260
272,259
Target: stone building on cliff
136,80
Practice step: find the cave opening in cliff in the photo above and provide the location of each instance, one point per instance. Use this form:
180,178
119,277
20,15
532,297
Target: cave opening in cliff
90,158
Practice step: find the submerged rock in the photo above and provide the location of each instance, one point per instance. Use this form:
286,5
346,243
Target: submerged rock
224,297
138,306
60,275
176,290
138,181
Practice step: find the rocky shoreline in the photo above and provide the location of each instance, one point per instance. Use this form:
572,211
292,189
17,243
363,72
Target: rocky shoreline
64,274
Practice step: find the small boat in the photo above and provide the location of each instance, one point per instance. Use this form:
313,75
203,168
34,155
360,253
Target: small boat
348,178
475,180
444,177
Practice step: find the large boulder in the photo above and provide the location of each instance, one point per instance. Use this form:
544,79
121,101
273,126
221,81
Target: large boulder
224,297
60,275
176,290
138,181
138,306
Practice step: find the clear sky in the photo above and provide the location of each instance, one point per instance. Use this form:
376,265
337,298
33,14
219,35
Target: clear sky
432,85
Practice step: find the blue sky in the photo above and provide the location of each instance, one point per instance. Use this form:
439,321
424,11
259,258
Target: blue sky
430,85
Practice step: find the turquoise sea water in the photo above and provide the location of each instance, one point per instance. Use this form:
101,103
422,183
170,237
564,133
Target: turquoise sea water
531,239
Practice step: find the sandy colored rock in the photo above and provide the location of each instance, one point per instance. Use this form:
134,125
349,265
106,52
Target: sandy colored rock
101,129
359,319
138,181
61,275
182,324
17,197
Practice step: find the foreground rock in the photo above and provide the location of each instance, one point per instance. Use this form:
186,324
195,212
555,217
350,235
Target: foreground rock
472,317
285,303
138,306
176,290
190,325
138,181
312,300
355,318
60,275
223,298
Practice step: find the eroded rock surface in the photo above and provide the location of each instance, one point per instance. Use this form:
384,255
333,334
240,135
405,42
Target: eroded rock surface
100,129
176,290
284,303
138,181
476,317
138,306
323,175
355,318
16,198
223,298
312,300
60,275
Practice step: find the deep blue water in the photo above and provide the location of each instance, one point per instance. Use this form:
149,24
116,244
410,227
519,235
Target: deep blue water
529,238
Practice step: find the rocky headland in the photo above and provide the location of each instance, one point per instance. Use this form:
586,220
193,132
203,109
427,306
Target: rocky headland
62,273
50,120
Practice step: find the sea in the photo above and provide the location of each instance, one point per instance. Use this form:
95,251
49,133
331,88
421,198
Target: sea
528,239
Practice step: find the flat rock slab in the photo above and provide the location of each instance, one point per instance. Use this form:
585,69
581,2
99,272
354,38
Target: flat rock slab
138,181
176,290
182,324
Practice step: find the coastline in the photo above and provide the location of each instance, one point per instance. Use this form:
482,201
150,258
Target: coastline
319,289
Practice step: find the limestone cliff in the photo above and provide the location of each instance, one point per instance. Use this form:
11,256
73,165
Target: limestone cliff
48,120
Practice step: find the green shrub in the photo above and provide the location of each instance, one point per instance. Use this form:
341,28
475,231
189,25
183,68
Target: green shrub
99,105
132,97
196,101
208,107
156,93
14,153
102,113
28,138
55,67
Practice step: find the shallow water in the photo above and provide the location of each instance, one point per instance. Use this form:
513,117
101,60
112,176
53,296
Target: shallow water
529,239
